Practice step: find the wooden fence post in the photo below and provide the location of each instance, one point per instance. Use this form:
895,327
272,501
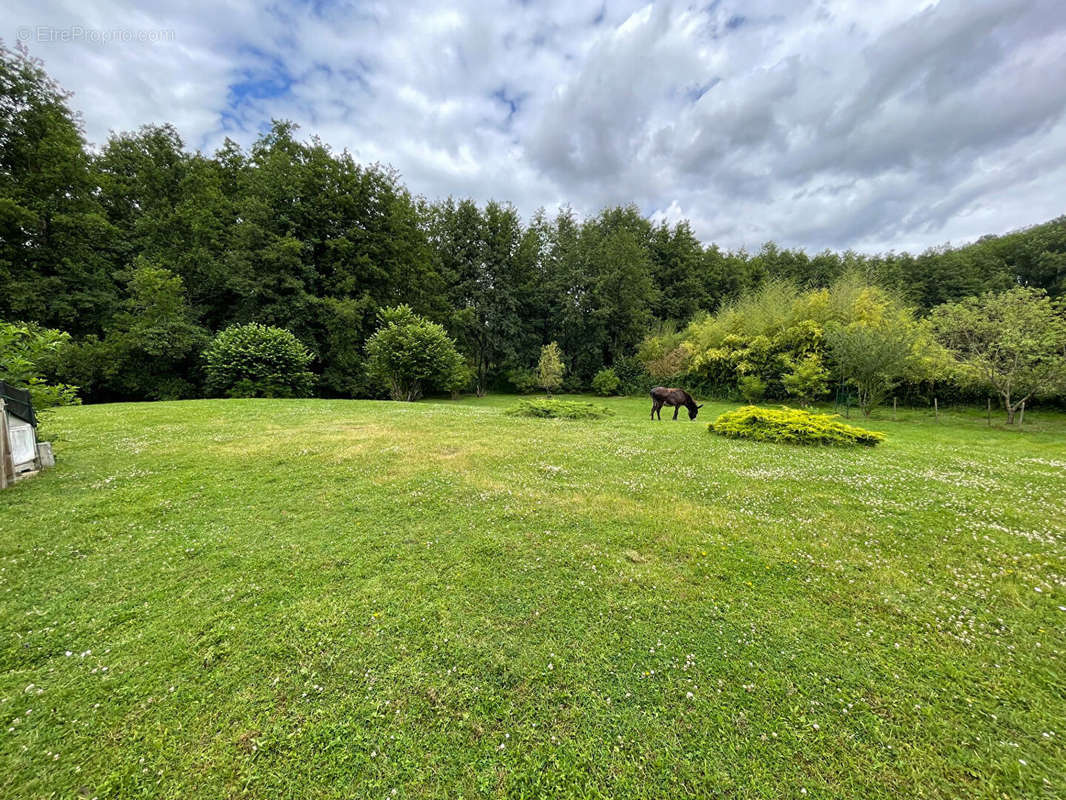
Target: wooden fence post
1021,419
990,412
936,409
893,409
7,466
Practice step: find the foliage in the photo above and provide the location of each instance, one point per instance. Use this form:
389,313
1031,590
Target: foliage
347,322
550,368
412,355
152,349
791,426
606,382
554,408
752,388
56,244
256,360
291,233
489,264
523,381
46,395
872,357
665,356
1013,343
632,376
27,353
808,380
762,334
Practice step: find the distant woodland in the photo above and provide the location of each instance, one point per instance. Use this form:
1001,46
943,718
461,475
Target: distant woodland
141,251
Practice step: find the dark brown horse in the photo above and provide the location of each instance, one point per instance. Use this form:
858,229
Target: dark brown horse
662,396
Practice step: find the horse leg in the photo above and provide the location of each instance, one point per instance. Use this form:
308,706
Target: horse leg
653,406
676,409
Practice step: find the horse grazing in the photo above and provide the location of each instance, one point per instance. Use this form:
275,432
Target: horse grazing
661,396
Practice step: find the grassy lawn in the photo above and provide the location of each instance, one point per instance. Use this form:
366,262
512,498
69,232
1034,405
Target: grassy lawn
288,599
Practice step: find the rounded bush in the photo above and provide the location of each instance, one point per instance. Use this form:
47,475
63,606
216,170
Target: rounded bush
791,426
553,408
410,354
256,360
606,382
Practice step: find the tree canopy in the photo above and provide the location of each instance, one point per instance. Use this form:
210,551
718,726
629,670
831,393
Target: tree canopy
142,250
1013,343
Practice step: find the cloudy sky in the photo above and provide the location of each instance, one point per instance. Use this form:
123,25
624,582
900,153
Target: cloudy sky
888,125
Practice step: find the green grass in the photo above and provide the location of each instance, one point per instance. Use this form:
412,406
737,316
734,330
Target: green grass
336,599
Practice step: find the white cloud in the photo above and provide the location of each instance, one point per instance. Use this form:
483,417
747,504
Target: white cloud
821,124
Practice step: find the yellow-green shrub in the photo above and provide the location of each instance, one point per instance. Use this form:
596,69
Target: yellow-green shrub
791,426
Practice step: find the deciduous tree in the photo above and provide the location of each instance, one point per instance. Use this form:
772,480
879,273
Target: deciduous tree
1013,343
550,368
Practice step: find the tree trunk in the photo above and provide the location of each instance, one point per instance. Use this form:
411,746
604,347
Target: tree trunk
482,376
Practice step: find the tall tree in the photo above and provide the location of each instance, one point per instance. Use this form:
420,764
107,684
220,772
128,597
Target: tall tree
154,343
624,293
56,246
483,261
676,256
872,357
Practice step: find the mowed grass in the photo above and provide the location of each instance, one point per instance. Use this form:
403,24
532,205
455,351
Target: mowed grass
289,599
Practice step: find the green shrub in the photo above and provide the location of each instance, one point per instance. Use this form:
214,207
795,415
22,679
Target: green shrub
791,426
27,353
256,360
808,379
752,388
553,408
412,355
524,381
575,383
606,382
634,378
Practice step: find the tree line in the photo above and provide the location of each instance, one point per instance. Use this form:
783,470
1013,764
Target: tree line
864,342
141,252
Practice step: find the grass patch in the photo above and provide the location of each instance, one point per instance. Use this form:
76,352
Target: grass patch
554,408
791,426
335,599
